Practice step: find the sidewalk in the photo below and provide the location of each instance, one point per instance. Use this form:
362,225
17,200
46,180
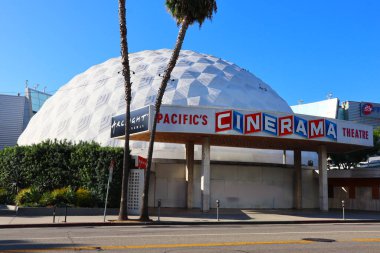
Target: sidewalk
189,216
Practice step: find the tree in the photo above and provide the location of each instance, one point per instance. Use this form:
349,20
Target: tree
186,13
351,159
376,141
348,160
123,213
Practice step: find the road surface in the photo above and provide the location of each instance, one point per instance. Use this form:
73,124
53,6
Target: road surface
308,238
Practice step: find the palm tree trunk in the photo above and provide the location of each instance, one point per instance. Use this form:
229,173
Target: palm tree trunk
123,212
172,62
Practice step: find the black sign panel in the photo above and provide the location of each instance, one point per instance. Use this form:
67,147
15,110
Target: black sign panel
139,122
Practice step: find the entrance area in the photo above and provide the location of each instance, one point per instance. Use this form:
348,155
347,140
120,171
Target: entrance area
198,184
235,185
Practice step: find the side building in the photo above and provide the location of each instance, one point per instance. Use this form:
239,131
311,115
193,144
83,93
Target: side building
359,188
15,113
362,112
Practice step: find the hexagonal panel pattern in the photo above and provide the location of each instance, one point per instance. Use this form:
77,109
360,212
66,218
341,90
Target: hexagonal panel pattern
80,109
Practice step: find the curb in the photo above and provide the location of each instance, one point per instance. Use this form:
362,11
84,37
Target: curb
173,223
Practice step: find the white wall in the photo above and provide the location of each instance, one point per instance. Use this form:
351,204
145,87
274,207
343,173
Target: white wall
325,108
252,187
236,186
310,188
170,184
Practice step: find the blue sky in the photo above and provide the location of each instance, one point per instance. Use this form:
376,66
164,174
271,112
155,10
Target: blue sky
302,49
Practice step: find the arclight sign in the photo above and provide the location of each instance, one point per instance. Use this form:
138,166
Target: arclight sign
219,121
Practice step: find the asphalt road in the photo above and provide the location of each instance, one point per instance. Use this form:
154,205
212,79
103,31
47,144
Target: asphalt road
217,238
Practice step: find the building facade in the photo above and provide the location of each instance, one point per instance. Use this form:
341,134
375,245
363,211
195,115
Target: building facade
15,113
240,176
362,112
14,117
36,99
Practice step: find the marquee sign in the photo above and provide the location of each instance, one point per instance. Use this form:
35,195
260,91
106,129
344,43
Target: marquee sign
139,122
219,121
273,125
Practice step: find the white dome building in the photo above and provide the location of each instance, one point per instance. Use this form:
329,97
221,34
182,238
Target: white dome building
82,108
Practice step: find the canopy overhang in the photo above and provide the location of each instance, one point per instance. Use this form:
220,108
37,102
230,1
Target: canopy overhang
247,129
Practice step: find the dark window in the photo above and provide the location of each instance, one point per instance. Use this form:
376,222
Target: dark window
375,192
331,191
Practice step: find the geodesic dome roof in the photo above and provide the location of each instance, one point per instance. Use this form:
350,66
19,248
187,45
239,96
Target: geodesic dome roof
82,109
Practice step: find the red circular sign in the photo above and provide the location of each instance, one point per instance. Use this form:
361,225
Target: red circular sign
367,108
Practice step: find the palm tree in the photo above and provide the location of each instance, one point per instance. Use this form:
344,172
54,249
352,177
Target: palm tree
123,213
186,13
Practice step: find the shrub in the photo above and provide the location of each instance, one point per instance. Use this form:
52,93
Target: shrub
47,199
84,198
63,196
28,197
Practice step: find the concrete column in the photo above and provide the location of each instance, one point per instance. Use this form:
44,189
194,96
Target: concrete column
205,176
322,165
284,157
189,174
298,180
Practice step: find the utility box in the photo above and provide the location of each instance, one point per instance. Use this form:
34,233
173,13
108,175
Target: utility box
135,191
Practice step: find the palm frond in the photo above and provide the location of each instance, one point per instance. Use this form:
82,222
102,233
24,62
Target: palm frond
195,10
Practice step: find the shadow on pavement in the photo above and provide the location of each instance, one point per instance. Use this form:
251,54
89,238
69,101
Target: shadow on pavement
318,214
197,215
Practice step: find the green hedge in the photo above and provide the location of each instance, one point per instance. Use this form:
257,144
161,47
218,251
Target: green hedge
55,164
3,196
